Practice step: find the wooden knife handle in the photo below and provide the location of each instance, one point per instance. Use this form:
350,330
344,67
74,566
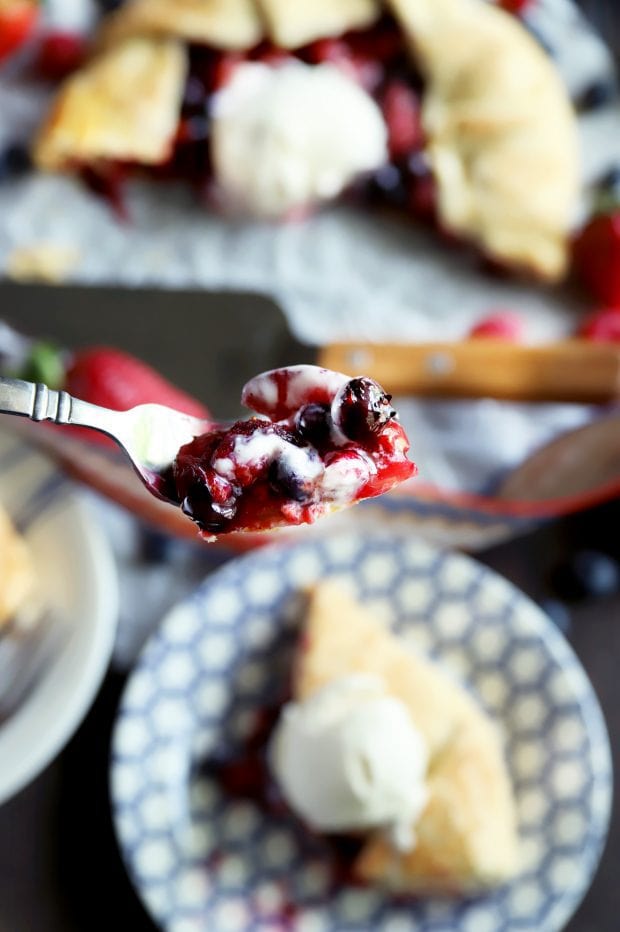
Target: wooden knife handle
572,370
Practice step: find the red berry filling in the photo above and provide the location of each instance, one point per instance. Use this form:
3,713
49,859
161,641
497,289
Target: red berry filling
377,58
322,442
401,109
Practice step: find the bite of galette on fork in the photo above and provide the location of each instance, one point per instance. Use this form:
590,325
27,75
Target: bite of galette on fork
317,441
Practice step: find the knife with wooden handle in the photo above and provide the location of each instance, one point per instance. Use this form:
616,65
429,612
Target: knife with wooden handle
210,344
569,371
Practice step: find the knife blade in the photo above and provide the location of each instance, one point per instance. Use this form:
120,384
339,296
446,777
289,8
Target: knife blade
211,343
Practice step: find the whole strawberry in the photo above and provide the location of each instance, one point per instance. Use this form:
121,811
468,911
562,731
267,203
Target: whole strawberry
18,19
602,326
514,6
500,325
115,379
60,54
596,257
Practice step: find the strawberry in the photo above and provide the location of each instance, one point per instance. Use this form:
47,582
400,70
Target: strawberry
17,20
514,6
60,53
501,325
596,257
603,326
401,110
114,379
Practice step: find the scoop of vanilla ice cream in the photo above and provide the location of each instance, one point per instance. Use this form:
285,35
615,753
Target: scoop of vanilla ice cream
349,758
286,136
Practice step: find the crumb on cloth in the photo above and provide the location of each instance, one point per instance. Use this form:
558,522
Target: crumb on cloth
41,262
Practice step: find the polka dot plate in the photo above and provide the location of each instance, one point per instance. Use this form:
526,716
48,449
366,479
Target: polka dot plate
204,860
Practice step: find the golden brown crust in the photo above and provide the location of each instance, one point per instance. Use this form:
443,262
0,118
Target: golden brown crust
17,573
93,116
226,24
502,135
467,837
293,23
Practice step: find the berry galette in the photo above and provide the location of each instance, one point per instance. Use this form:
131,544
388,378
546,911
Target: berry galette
446,109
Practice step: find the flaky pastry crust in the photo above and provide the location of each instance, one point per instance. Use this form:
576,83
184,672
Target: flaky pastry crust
226,24
94,117
500,128
293,24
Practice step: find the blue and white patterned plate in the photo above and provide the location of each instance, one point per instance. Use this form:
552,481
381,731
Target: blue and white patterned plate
204,861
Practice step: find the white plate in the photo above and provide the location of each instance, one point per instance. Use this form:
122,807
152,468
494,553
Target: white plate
78,581
202,860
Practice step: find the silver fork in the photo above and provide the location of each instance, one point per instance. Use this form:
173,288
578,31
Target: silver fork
149,434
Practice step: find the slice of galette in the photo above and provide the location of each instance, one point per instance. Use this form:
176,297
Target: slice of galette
446,109
465,839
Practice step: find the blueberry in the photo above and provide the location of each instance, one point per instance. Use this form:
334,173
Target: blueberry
14,160
559,614
195,95
588,573
362,409
284,479
313,423
155,547
596,95
418,165
195,129
208,515
388,183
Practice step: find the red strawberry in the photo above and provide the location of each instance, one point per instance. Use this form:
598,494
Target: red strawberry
401,110
60,53
603,326
117,380
17,20
514,6
501,325
596,257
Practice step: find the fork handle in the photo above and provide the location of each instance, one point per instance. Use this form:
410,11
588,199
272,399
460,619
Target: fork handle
40,403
